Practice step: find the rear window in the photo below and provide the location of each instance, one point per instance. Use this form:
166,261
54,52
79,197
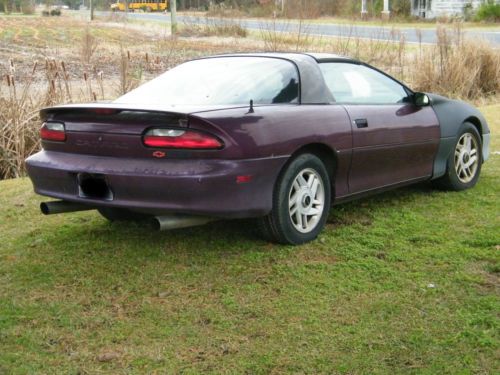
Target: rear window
220,81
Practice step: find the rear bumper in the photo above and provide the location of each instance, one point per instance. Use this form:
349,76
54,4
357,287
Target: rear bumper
202,187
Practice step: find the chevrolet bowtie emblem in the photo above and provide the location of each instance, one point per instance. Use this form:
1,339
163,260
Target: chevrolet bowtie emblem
159,154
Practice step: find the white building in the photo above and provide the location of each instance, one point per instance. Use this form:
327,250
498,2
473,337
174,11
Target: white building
442,8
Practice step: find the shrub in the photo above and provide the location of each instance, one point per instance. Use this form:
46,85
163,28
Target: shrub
88,46
214,27
222,10
27,7
5,6
401,8
488,12
55,12
266,10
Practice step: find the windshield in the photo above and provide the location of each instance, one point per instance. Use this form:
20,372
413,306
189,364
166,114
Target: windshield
221,81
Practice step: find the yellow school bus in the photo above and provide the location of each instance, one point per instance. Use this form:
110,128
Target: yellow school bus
145,5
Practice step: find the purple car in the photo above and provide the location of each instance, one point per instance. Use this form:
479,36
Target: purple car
278,137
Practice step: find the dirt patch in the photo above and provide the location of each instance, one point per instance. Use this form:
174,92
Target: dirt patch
489,277
349,217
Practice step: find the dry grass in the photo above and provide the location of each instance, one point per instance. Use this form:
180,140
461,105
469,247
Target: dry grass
18,137
457,67
390,55
223,10
219,27
127,80
20,101
88,46
277,36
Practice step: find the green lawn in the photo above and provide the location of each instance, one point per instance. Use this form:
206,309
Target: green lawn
405,282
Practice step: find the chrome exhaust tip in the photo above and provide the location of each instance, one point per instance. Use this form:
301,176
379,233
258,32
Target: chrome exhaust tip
177,221
60,207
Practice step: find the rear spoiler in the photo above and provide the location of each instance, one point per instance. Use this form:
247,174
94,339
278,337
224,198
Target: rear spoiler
114,108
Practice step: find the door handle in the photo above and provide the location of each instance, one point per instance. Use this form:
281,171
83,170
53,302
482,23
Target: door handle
361,123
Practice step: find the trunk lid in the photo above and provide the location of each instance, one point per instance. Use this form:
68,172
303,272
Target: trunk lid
114,129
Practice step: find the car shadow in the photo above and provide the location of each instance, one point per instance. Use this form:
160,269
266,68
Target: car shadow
225,236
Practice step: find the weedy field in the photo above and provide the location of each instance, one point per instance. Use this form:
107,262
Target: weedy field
404,282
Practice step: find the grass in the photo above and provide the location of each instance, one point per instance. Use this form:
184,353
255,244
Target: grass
404,282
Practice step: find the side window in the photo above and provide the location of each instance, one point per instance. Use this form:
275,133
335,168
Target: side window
353,83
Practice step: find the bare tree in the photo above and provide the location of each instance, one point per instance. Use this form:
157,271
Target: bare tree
6,6
173,15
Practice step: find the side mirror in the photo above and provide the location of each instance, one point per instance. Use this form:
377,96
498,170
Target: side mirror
420,99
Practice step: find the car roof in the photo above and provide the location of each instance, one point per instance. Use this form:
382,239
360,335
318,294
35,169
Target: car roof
293,56
313,89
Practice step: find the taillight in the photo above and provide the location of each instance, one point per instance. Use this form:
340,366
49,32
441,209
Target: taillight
179,138
53,131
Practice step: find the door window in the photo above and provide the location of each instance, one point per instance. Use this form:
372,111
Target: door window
359,84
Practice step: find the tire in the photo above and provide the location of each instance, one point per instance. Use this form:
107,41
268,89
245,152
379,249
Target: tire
121,214
301,202
460,173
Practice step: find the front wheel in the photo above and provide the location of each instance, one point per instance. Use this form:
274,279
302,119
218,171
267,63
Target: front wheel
464,163
301,202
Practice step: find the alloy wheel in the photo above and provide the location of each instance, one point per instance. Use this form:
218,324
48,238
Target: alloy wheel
306,200
466,157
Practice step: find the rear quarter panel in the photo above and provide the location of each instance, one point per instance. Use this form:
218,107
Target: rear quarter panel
281,130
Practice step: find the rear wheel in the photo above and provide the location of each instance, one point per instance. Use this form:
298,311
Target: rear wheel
121,214
464,163
301,202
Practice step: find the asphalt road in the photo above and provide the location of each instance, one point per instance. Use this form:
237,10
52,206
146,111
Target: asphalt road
427,36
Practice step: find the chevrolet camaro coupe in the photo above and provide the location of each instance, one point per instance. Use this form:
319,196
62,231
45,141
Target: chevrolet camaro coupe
279,137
